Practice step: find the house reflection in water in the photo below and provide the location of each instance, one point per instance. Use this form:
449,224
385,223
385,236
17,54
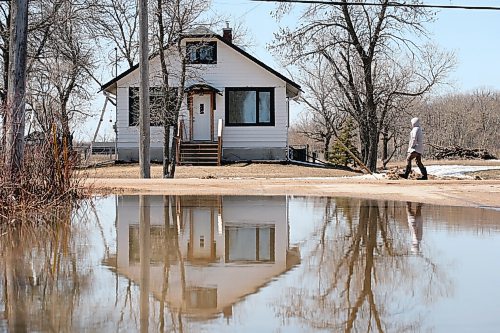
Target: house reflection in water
206,252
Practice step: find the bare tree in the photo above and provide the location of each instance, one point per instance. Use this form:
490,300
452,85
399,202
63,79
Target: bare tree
13,148
117,24
174,19
468,119
42,18
365,46
4,46
323,118
60,81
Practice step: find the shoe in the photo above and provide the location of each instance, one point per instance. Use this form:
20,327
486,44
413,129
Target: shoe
424,174
406,174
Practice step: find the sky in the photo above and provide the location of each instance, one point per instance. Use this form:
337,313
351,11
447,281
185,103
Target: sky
473,35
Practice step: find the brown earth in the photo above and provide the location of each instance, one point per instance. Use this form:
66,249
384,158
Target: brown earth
280,179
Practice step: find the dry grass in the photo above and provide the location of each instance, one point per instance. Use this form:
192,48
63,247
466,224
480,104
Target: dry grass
238,170
265,170
45,182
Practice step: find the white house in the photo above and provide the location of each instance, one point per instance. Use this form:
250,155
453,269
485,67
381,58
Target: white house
229,93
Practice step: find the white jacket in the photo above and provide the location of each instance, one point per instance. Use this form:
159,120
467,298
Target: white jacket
416,137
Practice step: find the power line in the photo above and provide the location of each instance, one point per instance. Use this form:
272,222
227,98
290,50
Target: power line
390,4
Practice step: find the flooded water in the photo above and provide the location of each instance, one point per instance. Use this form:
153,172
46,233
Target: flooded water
254,264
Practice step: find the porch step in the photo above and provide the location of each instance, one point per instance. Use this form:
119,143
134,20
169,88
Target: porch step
198,153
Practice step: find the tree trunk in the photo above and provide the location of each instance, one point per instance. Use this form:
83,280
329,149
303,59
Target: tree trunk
67,140
364,141
385,145
180,98
327,147
166,148
373,150
15,109
5,56
173,153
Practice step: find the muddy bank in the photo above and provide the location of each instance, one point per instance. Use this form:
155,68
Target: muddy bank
444,192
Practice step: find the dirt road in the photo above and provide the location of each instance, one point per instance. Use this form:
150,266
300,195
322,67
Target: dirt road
262,179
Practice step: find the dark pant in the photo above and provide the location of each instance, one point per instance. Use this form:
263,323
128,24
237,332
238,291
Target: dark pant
418,159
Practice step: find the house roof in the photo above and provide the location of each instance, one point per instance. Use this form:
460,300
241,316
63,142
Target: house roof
292,87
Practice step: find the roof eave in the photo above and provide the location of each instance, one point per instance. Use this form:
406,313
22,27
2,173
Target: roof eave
293,89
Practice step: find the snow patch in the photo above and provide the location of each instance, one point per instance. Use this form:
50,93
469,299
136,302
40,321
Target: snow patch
457,171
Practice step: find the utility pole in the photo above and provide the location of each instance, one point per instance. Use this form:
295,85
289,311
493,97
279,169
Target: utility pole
144,118
145,255
15,107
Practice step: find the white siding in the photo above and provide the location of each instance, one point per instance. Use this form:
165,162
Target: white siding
232,280
232,70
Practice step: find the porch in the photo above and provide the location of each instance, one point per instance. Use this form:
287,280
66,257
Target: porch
193,152
196,142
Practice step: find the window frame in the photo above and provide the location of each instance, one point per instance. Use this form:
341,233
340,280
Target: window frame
257,90
197,45
257,229
133,94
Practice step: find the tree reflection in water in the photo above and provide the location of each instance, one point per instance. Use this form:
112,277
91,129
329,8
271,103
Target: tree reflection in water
359,274
172,256
171,259
41,275
357,271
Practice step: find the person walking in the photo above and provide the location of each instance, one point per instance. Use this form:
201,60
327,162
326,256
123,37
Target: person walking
415,150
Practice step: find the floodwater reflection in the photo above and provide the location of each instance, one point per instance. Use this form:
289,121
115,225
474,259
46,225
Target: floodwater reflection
202,254
248,263
359,272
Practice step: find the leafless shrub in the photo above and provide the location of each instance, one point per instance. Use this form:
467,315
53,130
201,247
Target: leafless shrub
46,180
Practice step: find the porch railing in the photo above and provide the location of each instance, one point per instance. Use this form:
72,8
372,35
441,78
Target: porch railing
219,141
178,140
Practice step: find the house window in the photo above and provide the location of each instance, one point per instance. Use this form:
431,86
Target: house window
250,106
201,298
158,104
201,52
161,240
250,244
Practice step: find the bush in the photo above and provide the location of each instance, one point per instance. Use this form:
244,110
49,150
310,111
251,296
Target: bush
46,180
338,155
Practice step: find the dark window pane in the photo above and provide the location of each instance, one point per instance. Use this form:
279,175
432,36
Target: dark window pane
159,103
265,107
206,53
191,53
201,52
242,106
250,106
133,115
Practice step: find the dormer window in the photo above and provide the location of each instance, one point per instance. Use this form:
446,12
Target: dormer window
201,52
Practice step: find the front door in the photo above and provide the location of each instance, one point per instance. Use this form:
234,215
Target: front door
201,117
